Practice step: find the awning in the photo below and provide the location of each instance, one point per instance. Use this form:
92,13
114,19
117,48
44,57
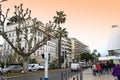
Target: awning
108,58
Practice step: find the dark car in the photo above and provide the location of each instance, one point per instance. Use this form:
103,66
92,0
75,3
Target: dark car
15,68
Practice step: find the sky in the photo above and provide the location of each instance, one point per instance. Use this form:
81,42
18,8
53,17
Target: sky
89,21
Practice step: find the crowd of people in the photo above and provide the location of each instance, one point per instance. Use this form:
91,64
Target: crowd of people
102,68
106,68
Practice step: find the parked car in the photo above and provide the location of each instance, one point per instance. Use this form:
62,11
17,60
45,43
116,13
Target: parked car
1,71
6,70
41,66
33,67
84,64
15,68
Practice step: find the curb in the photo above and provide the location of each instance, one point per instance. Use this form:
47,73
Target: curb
32,73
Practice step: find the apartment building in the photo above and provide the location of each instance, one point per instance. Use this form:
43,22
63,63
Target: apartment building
77,49
66,50
50,47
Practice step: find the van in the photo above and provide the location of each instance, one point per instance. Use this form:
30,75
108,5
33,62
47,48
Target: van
75,67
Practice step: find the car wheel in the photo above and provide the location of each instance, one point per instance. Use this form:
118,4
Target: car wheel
30,70
8,72
1,73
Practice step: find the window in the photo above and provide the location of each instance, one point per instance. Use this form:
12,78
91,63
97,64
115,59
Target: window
25,44
37,53
13,34
12,39
8,47
9,34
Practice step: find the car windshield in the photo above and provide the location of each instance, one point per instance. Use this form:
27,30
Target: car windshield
30,65
10,66
13,66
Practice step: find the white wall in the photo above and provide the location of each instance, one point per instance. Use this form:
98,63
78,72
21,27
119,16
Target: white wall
114,38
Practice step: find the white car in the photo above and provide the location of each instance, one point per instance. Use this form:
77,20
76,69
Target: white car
41,67
33,67
4,70
1,71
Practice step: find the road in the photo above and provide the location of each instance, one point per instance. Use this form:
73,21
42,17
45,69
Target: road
53,75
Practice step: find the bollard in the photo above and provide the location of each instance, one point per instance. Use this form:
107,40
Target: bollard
81,75
66,75
77,76
73,78
62,75
40,78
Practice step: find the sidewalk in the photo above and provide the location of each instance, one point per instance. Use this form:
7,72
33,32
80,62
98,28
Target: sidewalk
87,75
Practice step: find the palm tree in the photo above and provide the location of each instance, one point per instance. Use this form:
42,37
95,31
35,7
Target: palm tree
60,18
94,55
59,32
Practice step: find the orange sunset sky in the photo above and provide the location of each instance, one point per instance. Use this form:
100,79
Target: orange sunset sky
87,20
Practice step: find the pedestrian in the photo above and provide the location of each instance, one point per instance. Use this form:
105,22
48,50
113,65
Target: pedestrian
116,71
94,69
99,69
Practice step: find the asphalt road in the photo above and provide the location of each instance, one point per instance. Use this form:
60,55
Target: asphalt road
52,75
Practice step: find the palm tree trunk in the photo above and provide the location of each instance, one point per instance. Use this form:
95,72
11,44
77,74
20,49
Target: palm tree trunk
59,52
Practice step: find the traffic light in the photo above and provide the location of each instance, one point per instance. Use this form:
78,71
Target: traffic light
48,56
43,56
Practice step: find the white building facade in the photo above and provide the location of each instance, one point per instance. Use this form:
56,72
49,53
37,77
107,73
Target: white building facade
77,49
114,41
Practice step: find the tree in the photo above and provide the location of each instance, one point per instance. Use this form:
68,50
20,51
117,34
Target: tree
59,32
99,55
14,19
95,55
23,16
86,56
14,58
60,18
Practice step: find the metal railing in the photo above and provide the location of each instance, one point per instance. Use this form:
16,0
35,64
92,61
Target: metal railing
66,75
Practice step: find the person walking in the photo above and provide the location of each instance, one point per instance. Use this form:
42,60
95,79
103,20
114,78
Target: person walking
94,69
99,69
116,71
